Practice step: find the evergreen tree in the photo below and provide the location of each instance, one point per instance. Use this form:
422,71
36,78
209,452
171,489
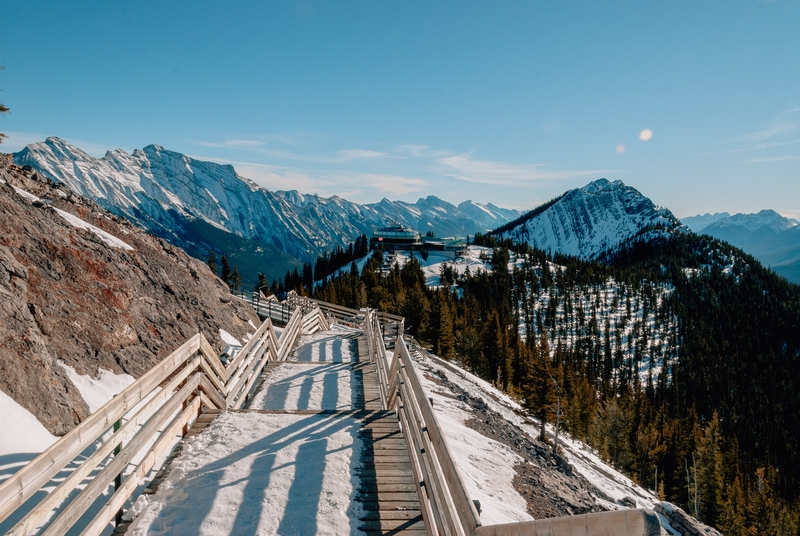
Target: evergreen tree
445,337
212,262
262,285
710,472
236,280
226,271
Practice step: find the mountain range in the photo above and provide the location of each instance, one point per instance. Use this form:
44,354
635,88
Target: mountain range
771,238
587,221
199,205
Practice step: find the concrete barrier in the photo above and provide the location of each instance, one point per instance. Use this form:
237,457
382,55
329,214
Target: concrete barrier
617,523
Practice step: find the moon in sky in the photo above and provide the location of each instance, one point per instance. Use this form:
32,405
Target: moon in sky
646,134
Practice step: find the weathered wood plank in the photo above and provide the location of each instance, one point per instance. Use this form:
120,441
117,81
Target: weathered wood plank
393,525
19,487
54,498
374,515
73,511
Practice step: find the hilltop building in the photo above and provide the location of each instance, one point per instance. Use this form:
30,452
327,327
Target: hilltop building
398,238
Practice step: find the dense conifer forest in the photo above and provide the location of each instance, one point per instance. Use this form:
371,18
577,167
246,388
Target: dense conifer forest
676,356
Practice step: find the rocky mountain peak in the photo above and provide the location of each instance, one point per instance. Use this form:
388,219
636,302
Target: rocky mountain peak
586,221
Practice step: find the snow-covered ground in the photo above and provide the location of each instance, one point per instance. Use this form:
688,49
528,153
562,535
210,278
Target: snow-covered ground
23,436
98,391
260,474
327,347
272,473
301,384
488,466
327,386
476,258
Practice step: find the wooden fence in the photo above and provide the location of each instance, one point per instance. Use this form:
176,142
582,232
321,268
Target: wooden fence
447,507
134,429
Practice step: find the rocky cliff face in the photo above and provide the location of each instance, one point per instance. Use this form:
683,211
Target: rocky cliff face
587,221
120,303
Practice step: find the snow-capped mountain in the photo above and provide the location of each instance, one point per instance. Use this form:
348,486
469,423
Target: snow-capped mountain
169,193
586,221
765,219
701,221
771,238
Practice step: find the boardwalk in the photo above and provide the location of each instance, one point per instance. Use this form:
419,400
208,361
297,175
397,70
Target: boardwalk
313,452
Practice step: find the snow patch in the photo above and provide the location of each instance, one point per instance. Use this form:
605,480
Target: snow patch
98,391
22,434
109,239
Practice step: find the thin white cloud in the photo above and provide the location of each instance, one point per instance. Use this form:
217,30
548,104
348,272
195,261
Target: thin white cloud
327,183
275,179
361,154
770,159
422,151
784,123
464,167
792,214
776,129
756,147
231,143
392,184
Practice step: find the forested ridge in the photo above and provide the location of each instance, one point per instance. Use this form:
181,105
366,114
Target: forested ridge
677,357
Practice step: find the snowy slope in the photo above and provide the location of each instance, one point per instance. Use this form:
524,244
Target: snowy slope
161,190
586,221
487,466
23,436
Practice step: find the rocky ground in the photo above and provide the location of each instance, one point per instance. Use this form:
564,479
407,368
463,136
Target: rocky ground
67,295
545,480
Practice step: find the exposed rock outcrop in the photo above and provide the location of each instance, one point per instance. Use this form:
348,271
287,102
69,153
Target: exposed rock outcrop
683,522
65,294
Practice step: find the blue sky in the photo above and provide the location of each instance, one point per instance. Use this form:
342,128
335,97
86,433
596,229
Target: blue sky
505,102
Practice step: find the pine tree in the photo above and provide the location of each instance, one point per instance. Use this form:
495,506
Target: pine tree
446,339
262,285
710,472
226,270
236,279
212,262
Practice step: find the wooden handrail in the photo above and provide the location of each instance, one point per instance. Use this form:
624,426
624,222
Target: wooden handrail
19,487
168,397
446,505
175,391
